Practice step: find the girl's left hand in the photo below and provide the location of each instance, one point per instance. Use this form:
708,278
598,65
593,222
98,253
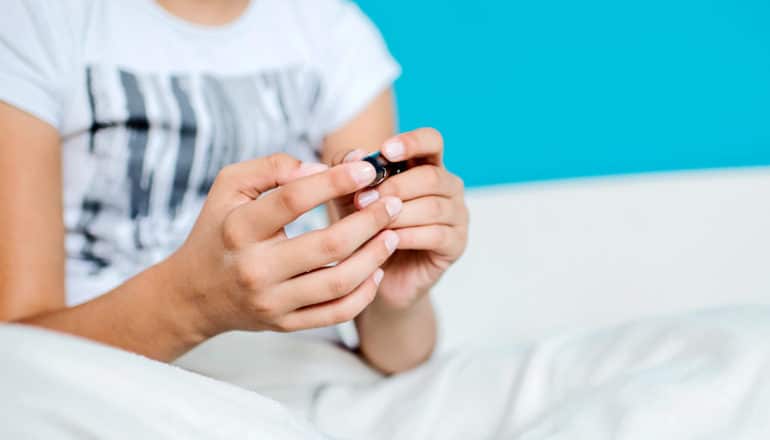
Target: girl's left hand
433,223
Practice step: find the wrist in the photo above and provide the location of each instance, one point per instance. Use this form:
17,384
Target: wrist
382,309
186,307
395,340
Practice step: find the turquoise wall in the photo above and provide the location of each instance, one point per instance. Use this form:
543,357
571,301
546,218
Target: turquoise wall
564,88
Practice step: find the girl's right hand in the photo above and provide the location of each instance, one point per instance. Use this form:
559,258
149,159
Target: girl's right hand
238,270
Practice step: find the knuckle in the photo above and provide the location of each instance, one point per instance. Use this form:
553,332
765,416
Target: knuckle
338,157
436,208
279,161
391,187
230,234
263,306
290,200
334,246
249,276
435,134
227,173
435,237
338,285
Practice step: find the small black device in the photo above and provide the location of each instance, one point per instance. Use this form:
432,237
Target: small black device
384,167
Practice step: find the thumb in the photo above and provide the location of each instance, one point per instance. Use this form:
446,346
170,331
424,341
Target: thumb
305,169
346,156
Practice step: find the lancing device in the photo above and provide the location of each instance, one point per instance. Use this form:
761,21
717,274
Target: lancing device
384,167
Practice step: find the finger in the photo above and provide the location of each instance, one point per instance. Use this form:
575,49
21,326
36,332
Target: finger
444,240
330,283
343,206
334,312
305,169
430,210
262,218
346,156
247,180
421,181
423,143
355,155
335,243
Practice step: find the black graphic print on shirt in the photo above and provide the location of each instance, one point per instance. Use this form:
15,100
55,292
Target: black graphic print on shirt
158,141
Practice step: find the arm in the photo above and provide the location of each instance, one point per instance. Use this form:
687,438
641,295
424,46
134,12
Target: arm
32,255
237,270
31,229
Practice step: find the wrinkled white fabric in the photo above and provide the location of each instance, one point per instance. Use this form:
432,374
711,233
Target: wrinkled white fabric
703,375
59,387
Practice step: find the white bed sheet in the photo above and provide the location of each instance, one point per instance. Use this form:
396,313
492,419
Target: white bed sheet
552,256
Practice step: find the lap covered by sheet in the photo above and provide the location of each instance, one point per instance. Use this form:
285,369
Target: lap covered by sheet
699,375
60,387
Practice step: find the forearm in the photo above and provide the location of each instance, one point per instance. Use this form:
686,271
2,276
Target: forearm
143,315
393,341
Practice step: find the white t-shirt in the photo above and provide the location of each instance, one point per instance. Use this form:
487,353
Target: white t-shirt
150,107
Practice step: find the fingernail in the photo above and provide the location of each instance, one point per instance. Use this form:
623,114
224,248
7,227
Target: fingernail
378,274
354,155
394,150
366,198
310,168
362,172
393,206
391,241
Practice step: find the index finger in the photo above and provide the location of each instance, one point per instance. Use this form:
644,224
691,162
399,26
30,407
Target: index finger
424,143
264,217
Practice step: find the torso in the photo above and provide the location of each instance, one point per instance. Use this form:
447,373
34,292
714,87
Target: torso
151,119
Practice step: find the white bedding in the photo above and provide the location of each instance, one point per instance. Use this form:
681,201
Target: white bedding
705,375
595,252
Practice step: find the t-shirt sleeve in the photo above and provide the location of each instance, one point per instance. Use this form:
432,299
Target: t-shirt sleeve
35,51
354,62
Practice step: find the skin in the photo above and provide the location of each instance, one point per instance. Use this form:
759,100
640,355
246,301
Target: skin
236,270
233,272
398,330
206,12
31,228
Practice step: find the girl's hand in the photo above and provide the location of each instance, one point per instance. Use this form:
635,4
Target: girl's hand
433,226
239,271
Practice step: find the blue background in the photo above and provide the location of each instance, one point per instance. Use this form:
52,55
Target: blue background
542,89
